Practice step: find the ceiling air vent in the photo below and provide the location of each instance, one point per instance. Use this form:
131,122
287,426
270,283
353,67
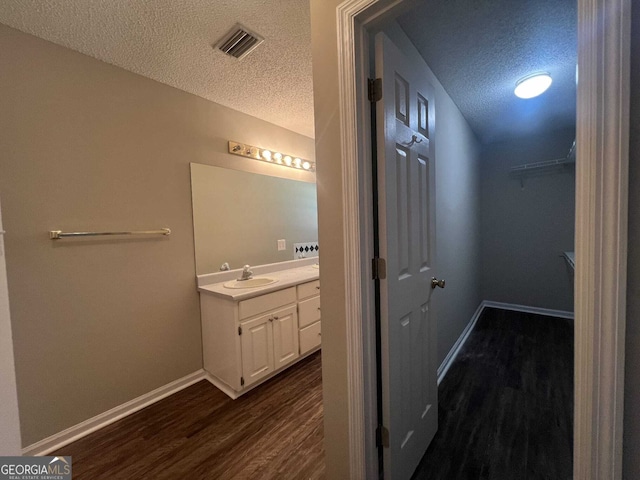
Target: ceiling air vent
239,42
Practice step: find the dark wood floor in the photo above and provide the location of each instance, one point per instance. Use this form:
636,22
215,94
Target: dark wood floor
273,432
506,404
505,412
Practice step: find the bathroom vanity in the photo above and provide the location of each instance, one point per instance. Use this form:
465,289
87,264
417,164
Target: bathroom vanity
251,334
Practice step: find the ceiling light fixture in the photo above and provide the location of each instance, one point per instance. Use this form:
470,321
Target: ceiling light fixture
270,156
532,85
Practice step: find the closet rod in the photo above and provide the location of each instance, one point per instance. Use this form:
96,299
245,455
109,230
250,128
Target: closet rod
56,234
540,165
570,159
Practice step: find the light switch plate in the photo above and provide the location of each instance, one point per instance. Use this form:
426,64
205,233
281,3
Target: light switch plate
282,245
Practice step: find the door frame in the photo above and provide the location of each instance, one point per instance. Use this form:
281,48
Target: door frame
602,139
10,437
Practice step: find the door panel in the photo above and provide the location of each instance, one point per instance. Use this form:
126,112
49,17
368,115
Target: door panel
406,192
423,214
403,212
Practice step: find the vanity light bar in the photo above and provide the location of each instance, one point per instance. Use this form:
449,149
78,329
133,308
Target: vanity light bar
271,156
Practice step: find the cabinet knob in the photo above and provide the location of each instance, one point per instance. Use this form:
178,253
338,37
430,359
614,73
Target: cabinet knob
319,334
317,287
275,318
318,308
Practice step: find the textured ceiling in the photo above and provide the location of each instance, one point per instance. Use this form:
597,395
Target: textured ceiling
478,49
171,41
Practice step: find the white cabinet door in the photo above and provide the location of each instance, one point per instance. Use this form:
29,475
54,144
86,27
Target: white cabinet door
285,336
257,349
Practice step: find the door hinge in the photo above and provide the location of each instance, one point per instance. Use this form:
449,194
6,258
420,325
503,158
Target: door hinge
382,436
378,268
241,381
239,330
374,89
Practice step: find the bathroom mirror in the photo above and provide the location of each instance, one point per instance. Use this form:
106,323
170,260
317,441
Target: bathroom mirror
238,217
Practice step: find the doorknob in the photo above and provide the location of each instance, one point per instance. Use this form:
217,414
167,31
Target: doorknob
437,283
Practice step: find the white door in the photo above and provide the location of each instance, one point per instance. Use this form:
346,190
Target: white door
406,189
10,444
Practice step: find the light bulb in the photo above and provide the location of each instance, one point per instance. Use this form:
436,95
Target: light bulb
306,165
287,160
297,162
278,157
266,154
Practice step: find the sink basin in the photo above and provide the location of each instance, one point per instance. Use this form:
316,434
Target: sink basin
251,283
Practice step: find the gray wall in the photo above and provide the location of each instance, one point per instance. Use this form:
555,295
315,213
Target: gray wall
457,210
526,226
238,217
86,145
631,445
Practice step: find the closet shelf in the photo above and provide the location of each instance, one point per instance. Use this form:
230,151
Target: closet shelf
550,166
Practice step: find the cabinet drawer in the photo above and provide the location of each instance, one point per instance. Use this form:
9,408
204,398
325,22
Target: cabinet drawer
310,337
308,311
254,306
308,289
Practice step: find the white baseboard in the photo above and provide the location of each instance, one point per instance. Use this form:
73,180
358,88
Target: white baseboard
220,385
523,308
54,442
453,353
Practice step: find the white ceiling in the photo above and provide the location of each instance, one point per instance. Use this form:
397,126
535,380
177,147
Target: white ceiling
171,41
476,48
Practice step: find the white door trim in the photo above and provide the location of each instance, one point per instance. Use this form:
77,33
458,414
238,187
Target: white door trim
10,438
601,236
601,228
355,284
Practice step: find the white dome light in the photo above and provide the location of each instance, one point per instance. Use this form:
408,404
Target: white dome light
532,85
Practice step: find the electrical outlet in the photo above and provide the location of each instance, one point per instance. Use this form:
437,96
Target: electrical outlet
282,245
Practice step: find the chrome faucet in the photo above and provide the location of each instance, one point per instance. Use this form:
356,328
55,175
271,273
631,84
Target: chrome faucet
247,273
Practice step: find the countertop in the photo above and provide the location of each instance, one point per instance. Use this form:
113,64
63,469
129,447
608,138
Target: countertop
285,278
